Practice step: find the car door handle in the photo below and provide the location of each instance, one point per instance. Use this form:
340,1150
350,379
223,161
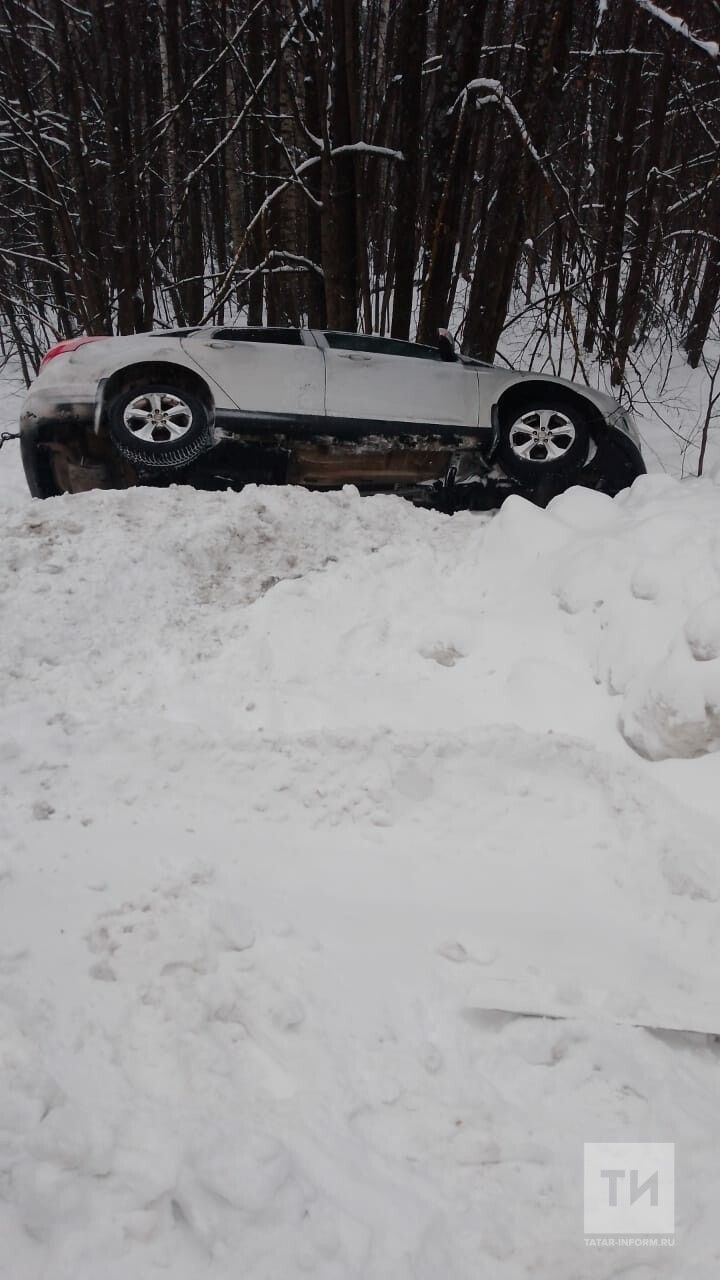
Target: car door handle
353,355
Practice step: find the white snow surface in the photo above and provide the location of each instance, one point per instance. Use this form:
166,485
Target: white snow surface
293,789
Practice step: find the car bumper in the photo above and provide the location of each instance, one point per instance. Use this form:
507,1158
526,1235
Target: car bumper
46,417
622,448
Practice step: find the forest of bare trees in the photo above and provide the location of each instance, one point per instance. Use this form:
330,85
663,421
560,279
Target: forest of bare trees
388,165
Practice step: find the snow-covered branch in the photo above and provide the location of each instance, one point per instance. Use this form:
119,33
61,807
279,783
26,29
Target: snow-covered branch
680,26
495,92
368,149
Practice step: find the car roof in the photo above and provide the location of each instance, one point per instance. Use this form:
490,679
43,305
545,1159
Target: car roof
380,338
298,328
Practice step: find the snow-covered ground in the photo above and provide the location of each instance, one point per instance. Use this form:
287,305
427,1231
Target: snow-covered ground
293,790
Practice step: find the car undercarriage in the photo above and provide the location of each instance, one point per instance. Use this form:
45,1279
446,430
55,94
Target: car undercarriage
445,471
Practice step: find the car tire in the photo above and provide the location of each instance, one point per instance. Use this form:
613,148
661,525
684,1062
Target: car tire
543,439
157,426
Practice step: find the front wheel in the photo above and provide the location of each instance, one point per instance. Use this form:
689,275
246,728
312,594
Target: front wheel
548,440
159,426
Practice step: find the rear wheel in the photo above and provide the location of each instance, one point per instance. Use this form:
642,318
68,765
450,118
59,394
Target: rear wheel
159,426
544,440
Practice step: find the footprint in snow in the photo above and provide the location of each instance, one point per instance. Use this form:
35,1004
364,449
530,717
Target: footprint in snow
446,655
10,961
458,954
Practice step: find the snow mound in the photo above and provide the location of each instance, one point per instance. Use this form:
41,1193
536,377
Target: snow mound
674,709
293,788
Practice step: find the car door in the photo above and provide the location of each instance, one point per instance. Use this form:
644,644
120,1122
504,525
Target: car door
278,373
369,379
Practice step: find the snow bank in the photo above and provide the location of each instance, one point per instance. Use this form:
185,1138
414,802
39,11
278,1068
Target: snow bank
655,619
292,789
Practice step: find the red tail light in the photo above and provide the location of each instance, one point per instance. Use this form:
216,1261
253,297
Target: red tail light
70,344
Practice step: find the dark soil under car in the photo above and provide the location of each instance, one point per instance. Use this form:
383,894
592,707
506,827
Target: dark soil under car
431,472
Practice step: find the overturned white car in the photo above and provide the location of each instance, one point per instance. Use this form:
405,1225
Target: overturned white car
224,407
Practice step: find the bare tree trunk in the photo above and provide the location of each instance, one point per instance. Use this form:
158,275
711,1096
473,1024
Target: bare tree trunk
548,41
709,294
339,226
459,36
411,34
640,257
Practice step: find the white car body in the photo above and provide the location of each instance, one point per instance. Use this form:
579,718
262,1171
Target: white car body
283,388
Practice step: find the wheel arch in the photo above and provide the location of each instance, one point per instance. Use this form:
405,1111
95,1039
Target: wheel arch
144,371
518,394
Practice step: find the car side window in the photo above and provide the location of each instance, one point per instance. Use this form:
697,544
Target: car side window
380,346
283,337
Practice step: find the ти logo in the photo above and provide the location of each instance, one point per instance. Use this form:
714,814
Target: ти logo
630,1192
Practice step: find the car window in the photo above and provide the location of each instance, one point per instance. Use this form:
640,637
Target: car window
380,346
285,337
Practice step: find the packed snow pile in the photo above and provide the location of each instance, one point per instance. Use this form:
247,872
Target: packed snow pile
297,791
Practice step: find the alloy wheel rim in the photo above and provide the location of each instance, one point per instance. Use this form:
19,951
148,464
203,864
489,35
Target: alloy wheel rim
542,435
158,417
